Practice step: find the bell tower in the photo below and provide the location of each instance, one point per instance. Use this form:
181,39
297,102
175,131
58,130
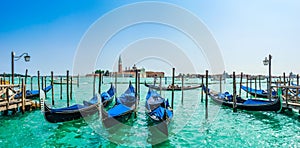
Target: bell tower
120,65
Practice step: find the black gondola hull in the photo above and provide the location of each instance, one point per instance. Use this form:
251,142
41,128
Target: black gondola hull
55,117
272,106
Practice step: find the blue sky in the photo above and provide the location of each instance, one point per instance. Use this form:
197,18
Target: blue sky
246,32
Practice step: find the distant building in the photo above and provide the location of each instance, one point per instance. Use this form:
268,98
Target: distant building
130,72
155,74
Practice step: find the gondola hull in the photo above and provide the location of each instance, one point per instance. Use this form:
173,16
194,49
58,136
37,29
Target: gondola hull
122,111
160,126
109,122
159,114
257,93
170,89
267,106
64,116
33,94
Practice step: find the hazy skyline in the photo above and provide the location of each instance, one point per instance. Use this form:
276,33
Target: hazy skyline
245,31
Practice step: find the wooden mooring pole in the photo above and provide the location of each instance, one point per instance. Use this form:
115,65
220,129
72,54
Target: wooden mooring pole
135,93
241,83
286,92
251,85
42,82
247,76
99,84
31,88
23,96
45,82
220,83
259,82
78,80
26,73
297,94
61,87
116,84
71,88
202,84
39,87
139,88
94,85
160,83
68,99
255,86
166,80
173,81
234,94
206,94
52,90
182,87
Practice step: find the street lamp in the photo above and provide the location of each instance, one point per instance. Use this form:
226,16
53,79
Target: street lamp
16,58
266,62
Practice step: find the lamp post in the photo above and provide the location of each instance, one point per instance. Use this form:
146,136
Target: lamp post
16,58
266,62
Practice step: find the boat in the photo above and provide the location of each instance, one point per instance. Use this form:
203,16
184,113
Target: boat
73,112
158,111
123,109
33,93
226,99
107,97
169,88
258,92
64,81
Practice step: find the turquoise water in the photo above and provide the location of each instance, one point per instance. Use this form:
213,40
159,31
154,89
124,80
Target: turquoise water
189,127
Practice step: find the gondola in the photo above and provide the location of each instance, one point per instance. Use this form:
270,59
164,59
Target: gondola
169,88
258,92
64,81
107,97
123,109
158,111
73,112
33,93
249,104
